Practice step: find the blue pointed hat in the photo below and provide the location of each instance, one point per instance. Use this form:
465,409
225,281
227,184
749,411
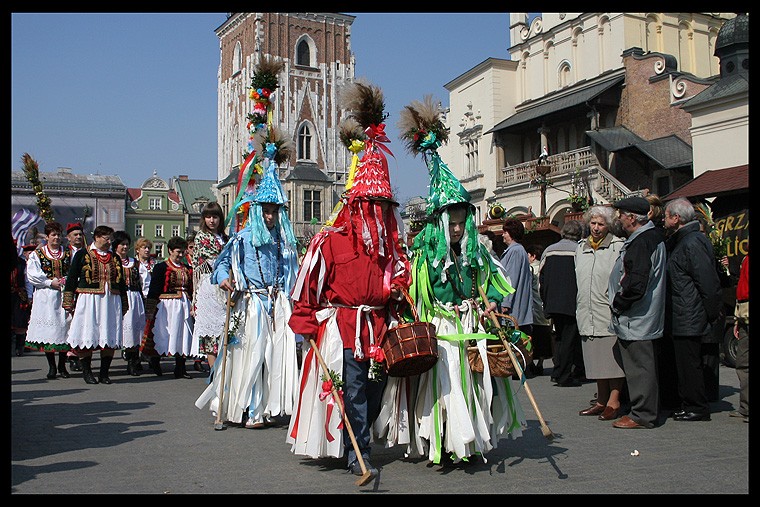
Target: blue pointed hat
269,189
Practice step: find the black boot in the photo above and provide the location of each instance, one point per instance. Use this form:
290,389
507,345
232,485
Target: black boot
105,364
86,363
50,356
62,365
155,365
179,367
133,357
74,363
20,339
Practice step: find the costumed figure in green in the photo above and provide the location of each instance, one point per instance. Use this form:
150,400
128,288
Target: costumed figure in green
451,411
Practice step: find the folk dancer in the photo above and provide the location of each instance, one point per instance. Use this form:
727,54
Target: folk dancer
96,295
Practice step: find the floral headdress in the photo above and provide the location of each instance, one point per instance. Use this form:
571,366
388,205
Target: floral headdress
264,83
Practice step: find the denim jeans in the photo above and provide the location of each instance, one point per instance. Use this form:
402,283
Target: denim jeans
361,397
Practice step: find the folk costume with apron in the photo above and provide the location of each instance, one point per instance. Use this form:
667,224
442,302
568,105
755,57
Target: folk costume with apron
134,319
209,301
168,301
449,408
96,290
262,364
48,322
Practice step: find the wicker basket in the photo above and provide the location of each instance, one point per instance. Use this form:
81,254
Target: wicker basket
411,348
499,362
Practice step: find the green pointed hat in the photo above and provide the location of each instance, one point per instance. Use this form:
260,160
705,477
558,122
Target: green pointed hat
423,133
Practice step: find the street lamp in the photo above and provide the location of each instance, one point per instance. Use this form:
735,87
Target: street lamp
542,171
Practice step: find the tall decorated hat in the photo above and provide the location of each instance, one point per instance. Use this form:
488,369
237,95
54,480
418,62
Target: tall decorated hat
423,132
275,150
372,179
264,83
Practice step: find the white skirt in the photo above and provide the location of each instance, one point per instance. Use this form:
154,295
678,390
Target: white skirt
134,320
173,328
48,322
313,429
210,309
261,366
97,321
449,408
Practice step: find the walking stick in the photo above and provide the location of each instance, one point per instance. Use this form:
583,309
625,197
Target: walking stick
544,428
366,474
218,424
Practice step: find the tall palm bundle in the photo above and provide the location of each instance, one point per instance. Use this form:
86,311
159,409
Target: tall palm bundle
32,173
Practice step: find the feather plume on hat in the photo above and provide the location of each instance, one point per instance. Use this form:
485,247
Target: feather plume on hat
417,120
423,132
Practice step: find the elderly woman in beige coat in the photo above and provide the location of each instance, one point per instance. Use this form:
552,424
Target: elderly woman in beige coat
594,260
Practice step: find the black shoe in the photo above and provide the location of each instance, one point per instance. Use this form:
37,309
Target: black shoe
105,379
568,383
679,413
89,378
198,365
155,365
356,468
692,416
74,364
52,373
63,372
181,374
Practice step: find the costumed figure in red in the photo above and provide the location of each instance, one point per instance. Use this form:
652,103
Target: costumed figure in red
350,280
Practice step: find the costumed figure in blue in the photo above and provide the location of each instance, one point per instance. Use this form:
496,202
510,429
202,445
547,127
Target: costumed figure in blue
258,266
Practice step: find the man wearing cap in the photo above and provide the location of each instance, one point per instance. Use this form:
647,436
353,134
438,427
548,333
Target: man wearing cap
637,301
353,272
76,240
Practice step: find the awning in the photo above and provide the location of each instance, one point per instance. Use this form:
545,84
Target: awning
714,184
566,101
669,152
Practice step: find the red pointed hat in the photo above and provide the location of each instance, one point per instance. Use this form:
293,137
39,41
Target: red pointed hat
73,227
372,179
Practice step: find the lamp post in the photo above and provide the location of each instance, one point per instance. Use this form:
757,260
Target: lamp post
543,171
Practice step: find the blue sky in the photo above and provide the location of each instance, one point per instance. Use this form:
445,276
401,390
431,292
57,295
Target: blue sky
129,93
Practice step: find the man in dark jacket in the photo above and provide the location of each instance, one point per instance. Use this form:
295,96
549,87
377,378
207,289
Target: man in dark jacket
692,304
636,293
556,280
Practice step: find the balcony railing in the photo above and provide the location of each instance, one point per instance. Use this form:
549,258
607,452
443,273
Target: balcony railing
566,163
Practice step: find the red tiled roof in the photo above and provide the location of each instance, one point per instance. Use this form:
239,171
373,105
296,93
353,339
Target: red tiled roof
714,183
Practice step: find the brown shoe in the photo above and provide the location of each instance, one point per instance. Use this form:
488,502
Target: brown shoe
609,414
627,423
592,410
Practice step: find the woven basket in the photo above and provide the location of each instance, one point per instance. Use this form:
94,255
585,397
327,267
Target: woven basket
411,348
499,362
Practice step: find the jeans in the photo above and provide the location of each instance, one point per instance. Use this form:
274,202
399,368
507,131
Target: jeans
361,397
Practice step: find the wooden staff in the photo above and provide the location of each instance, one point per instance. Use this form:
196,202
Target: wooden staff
366,474
544,428
218,424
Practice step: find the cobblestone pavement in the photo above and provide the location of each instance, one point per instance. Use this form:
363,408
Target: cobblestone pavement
143,435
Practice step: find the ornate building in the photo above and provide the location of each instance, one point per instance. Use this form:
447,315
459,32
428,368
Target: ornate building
601,91
316,51
154,211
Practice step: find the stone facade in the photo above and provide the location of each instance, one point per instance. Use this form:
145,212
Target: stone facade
316,51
